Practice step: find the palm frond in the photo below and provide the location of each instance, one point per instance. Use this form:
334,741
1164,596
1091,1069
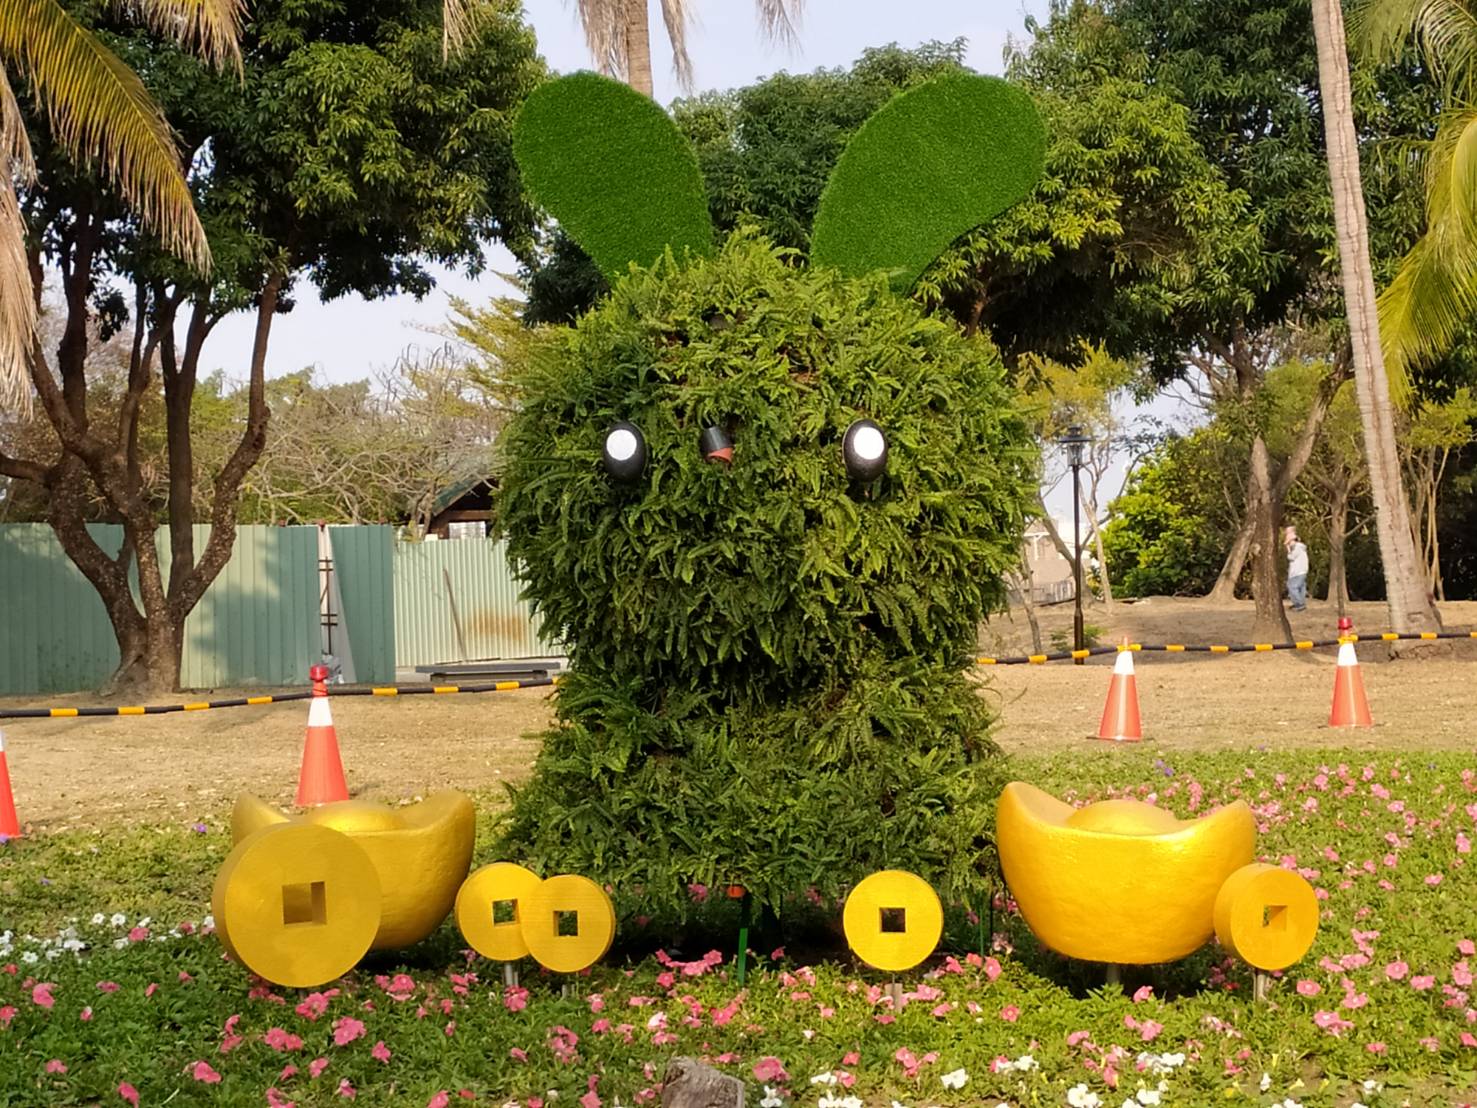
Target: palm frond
605,34
17,305
1445,32
778,18
677,15
209,28
1426,308
15,148
460,20
100,111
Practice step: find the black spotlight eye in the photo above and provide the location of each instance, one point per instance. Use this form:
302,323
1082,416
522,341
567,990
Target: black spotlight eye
715,445
624,453
864,448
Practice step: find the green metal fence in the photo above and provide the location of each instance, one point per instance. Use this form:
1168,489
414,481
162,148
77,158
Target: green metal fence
457,600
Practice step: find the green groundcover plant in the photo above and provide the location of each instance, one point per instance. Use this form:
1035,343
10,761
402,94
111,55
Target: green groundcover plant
767,684
112,989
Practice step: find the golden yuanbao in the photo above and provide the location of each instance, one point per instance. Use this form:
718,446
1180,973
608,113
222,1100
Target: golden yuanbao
767,681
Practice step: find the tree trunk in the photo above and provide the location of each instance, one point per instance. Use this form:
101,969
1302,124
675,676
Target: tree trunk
1224,590
638,47
1266,582
1024,585
1338,527
1102,555
1407,597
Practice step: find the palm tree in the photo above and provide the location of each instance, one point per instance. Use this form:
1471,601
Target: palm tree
620,39
99,110
1409,601
1433,297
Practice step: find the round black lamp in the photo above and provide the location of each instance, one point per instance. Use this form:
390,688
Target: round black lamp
864,449
624,453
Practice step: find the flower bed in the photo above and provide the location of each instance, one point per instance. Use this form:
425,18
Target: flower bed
116,1007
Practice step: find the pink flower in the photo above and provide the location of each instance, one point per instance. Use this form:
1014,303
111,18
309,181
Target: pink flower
440,1100
850,1058
346,1029
1306,987
1143,993
202,1071
315,1004
1430,1043
1467,947
1468,1039
107,986
515,998
1079,1037
1433,879
1149,1030
1375,1048
1355,1000
41,995
379,1052
1421,983
1010,1013
992,969
128,1093
590,1099
770,1069
1396,971
346,1090
274,1099
1331,1022
317,1066
138,934
86,1014
280,1040
518,1054
1461,974
56,1065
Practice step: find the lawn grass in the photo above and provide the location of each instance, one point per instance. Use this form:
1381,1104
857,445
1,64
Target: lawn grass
151,1007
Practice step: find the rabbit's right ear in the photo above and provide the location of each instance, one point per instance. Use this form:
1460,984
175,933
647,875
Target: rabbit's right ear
613,169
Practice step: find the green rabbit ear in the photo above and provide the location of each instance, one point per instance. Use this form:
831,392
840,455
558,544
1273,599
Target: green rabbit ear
613,169
931,165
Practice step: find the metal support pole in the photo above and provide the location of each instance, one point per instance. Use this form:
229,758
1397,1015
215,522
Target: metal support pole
745,908
1079,637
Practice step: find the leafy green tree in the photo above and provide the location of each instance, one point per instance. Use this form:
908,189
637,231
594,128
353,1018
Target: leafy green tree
347,154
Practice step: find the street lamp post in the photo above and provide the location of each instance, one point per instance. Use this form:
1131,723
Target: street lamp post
1075,441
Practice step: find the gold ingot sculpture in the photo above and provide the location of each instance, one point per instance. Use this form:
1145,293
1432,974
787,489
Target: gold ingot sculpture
568,923
476,910
1267,916
297,904
1118,881
420,853
893,920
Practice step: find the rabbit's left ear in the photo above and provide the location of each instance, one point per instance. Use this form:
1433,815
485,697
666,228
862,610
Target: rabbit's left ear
931,165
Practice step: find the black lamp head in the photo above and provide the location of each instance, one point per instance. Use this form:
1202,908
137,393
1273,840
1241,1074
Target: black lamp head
624,452
864,449
715,445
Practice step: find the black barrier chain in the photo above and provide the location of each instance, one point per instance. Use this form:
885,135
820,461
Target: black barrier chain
1191,648
275,698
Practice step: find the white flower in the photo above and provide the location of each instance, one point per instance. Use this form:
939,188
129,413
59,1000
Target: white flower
1024,1064
1147,1096
772,1098
208,921
1160,1064
808,1033
1080,1096
30,957
826,1078
1266,1081
119,919
1372,1086
954,1079
896,1104
98,920
1289,1103
1358,1104
121,944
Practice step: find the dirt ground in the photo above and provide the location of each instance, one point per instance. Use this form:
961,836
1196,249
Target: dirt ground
79,772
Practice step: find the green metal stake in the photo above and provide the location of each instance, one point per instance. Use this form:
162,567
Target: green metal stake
743,940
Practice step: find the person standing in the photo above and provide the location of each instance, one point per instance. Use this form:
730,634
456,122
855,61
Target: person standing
1297,569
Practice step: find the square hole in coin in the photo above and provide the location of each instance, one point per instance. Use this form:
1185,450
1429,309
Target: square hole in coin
504,911
1274,917
303,903
894,921
566,924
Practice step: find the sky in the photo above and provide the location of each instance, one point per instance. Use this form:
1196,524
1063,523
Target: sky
349,338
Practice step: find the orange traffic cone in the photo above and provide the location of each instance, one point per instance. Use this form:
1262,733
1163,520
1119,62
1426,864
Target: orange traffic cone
1350,709
1121,713
10,825
322,777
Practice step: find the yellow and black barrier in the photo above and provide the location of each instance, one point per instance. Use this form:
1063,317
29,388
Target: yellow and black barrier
275,698
1215,648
